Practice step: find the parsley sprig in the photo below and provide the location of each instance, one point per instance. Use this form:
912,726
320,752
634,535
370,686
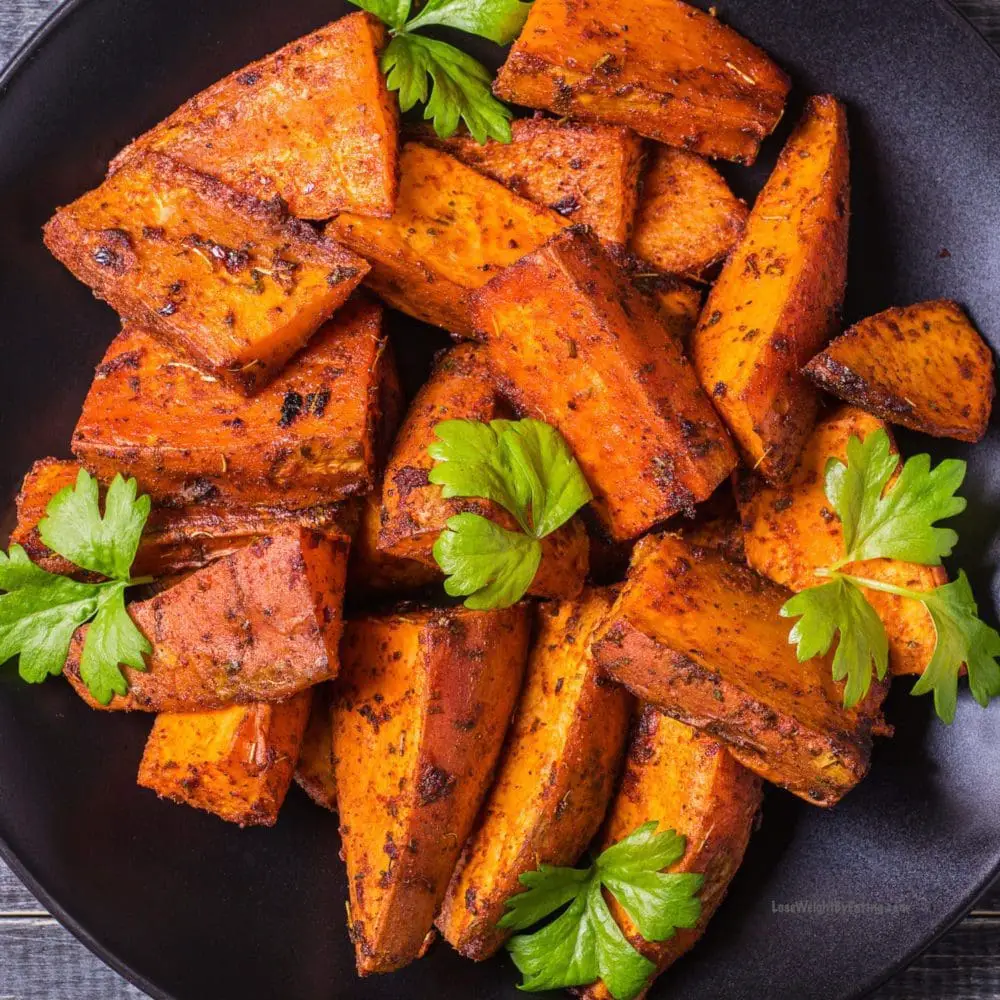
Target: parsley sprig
584,943
451,84
526,467
40,611
895,522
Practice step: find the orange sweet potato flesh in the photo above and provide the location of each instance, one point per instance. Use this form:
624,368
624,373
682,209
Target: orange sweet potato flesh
310,437
423,704
259,625
219,275
175,539
314,772
664,68
572,343
312,124
452,230
791,530
701,638
587,173
687,219
235,762
554,781
778,298
414,513
923,366
689,783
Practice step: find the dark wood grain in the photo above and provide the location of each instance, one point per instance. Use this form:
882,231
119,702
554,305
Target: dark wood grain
39,960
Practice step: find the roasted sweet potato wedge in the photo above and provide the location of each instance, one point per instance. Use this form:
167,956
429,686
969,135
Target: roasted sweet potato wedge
176,539
314,770
790,531
587,173
778,298
688,783
701,638
452,230
423,703
312,124
662,67
924,367
555,777
235,762
687,219
221,276
414,513
311,437
573,343
259,625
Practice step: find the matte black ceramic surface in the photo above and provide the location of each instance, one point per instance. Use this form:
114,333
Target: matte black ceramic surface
190,908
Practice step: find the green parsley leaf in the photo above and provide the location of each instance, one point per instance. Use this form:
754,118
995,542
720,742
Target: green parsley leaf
584,942
900,524
500,21
459,90
840,607
489,565
40,611
961,638
391,12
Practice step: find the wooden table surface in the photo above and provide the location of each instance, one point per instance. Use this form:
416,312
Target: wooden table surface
39,960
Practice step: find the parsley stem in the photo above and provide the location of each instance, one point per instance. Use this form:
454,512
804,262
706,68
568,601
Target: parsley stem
886,588
139,580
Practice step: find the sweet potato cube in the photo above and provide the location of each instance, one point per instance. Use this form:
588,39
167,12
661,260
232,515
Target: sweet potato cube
314,772
221,276
778,298
423,704
259,625
702,639
311,437
587,173
312,124
452,230
687,219
662,67
414,513
235,762
687,782
924,367
554,781
573,343
790,531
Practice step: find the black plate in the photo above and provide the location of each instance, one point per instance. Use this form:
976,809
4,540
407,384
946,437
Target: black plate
188,907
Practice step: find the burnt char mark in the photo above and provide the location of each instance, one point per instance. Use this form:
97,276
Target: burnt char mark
433,784
291,408
410,478
129,359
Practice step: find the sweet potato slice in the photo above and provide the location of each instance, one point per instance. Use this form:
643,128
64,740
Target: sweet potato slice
423,703
688,783
573,343
662,67
687,219
312,124
555,778
587,173
235,762
414,513
314,772
701,638
259,625
311,437
452,229
778,297
175,539
924,367
221,276
790,531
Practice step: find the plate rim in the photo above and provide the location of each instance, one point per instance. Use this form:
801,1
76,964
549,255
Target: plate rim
22,55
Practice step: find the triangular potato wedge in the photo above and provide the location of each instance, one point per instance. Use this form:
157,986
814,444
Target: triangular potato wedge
314,772
554,780
924,367
422,707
